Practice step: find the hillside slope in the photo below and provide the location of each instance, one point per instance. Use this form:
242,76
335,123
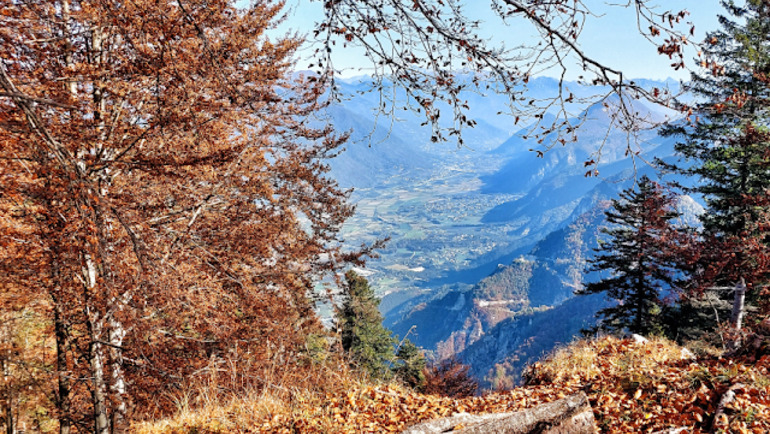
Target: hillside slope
632,387
373,155
526,308
544,278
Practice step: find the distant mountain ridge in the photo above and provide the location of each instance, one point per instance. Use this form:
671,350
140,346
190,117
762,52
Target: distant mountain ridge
595,143
546,215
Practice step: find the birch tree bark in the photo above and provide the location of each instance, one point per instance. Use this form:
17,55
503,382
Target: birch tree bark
736,318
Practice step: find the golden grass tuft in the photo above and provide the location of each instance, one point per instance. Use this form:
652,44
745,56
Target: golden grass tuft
587,359
232,415
288,393
276,411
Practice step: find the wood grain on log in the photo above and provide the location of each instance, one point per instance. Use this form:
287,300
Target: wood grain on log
571,415
677,430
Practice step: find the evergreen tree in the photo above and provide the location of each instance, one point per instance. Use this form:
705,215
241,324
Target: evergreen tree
364,339
726,146
637,258
410,365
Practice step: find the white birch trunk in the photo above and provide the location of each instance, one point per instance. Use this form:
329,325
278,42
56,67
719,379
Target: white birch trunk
10,423
63,401
68,59
736,318
118,382
116,330
96,353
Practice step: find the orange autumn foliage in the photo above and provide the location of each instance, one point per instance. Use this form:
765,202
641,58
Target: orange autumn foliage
450,378
164,194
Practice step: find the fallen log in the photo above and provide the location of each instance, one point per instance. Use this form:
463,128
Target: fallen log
571,415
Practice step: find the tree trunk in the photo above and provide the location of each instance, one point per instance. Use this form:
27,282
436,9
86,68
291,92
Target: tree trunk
736,318
9,423
63,399
116,331
10,427
571,415
118,383
68,60
95,352
720,419
99,395
738,305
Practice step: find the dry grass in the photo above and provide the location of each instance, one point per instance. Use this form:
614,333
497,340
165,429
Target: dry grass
632,387
233,415
292,393
276,411
589,359
644,387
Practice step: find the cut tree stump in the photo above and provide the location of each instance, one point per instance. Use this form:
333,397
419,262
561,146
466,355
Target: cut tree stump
571,415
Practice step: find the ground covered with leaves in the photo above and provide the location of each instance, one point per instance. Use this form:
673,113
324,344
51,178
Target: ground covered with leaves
632,387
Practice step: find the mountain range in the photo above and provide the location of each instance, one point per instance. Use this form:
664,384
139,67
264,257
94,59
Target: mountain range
488,244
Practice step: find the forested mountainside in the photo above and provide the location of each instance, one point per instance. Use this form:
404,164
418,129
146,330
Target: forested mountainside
524,309
552,222
545,277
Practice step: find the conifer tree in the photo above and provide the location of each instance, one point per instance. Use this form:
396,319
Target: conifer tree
636,257
410,365
726,147
364,339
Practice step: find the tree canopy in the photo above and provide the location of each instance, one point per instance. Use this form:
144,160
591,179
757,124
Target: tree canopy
368,343
435,52
164,194
725,145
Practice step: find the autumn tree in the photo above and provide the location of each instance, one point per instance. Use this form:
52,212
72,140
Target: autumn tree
636,261
450,378
725,147
163,187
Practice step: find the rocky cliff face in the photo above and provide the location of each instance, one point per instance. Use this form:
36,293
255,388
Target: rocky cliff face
525,309
500,356
528,286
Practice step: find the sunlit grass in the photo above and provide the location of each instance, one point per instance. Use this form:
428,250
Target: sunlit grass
585,360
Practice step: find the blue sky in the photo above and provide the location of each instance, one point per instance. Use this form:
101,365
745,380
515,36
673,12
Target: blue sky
611,37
